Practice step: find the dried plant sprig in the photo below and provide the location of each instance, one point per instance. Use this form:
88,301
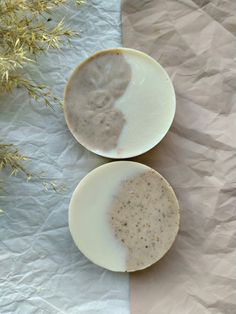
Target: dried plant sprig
35,91
34,36
12,59
38,6
24,33
38,91
11,158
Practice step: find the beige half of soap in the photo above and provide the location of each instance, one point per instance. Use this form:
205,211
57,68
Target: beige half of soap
124,216
119,103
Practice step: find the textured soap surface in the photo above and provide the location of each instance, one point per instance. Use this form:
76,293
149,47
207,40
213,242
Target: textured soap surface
119,103
124,216
91,96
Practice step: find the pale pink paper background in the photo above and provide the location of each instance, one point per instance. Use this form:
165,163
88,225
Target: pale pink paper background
196,42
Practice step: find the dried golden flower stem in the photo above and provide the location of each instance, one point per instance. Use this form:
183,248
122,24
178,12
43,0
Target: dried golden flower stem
11,158
25,31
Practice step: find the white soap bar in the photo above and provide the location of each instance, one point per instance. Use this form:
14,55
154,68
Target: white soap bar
124,216
119,103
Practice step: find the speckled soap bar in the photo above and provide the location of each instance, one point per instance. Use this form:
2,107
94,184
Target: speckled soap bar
124,216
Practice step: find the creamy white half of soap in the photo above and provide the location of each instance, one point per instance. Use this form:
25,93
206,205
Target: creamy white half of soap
148,105
89,214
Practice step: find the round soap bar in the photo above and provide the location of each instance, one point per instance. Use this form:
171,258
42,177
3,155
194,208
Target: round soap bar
124,216
119,103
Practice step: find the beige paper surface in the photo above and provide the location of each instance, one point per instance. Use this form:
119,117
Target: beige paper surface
196,42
